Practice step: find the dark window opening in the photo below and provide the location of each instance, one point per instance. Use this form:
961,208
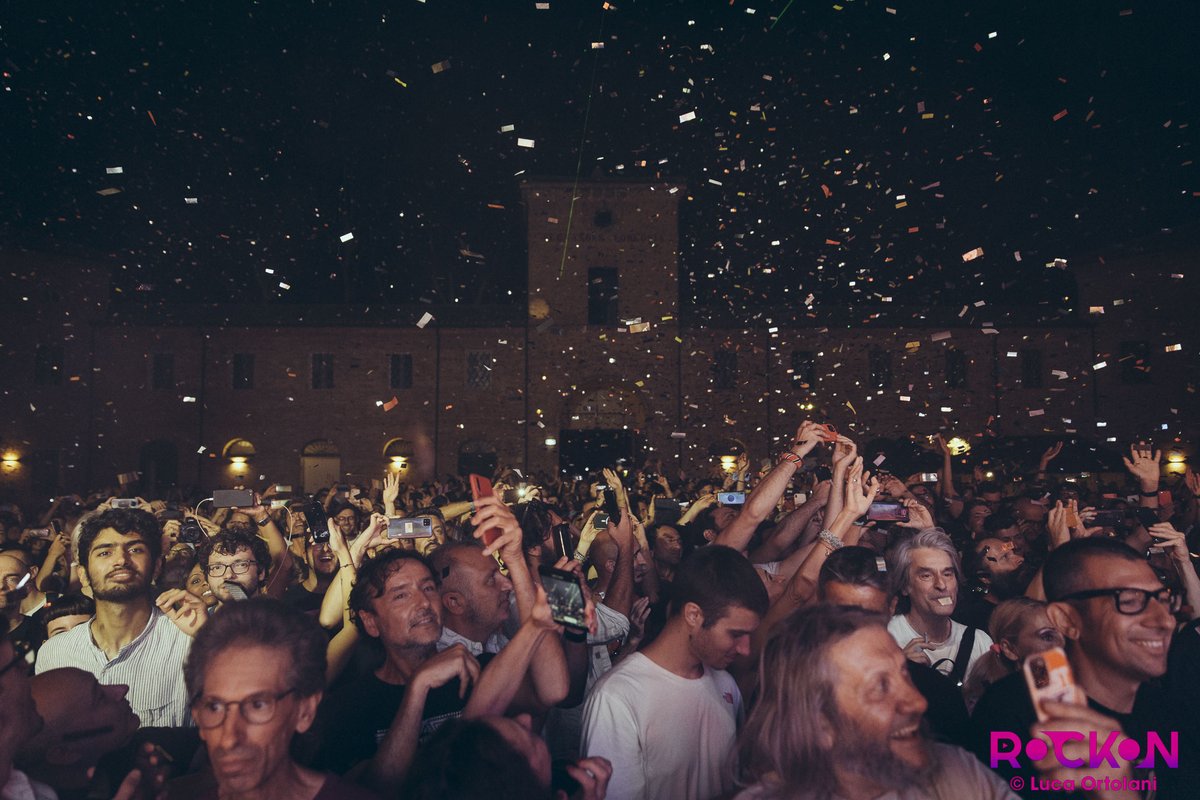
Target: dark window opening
880,368
243,370
400,370
956,368
725,369
48,365
603,288
322,371
162,371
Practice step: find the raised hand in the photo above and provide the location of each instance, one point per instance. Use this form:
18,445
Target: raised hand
918,514
1048,456
186,611
1143,466
844,452
490,512
1173,541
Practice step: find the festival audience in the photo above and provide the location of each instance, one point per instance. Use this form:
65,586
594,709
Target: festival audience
797,644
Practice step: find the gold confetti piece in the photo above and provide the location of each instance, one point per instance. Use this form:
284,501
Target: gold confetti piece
441,66
402,83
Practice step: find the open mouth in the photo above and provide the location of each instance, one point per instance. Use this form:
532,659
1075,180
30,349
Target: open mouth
425,619
1157,646
944,601
910,732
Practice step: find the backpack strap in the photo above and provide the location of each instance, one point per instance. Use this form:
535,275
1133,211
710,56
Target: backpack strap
963,657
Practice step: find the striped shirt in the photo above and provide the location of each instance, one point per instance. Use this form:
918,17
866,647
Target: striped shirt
151,666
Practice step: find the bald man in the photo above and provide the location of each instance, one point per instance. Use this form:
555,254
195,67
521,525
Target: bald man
475,598
84,721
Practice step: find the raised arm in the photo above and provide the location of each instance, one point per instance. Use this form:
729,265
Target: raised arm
766,494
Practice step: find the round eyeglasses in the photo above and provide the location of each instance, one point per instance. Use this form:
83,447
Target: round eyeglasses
238,568
257,709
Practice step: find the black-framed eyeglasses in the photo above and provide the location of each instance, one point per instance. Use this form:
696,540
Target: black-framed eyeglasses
257,709
1132,601
238,567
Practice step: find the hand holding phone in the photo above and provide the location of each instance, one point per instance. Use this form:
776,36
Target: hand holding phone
1049,678
481,487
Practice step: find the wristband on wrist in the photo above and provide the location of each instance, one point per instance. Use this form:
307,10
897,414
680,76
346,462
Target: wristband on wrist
265,521
1150,494
577,637
790,457
829,540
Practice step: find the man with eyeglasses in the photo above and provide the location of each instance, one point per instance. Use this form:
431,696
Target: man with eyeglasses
255,677
236,564
1118,619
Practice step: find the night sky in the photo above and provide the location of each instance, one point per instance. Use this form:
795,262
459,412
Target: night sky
851,151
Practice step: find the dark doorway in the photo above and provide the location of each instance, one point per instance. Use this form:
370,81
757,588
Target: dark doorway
159,465
583,451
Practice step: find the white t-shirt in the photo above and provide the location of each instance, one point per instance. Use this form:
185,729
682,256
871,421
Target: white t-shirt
904,633
960,775
668,737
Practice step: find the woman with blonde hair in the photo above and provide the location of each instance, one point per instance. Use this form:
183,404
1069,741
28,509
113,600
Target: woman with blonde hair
1019,628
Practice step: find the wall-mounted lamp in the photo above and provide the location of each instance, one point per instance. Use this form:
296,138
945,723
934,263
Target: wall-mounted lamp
728,463
551,441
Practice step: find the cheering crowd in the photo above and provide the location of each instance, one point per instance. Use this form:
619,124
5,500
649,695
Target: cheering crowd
814,628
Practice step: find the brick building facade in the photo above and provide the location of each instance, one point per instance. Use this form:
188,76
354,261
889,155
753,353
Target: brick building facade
601,359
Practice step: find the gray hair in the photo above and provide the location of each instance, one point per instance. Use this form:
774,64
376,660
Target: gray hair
261,622
900,560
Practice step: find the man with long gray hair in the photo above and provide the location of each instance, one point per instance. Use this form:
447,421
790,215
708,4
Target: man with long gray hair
926,574
838,716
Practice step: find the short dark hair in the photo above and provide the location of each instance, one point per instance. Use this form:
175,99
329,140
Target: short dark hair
470,759
373,577
1063,572
261,622
228,541
717,578
68,605
853,565
999,521
124,521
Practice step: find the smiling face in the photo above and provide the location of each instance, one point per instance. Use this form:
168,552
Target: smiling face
321,558
119,567
409,611
1131,646
932,583
877,730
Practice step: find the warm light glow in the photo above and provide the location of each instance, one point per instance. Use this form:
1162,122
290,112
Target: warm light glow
11,458
1176,462
398,462
728,463
1175,457
551,441
238,459
959,445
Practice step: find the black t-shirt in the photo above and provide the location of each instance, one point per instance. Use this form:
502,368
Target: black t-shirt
301,598
353,721
974,611
1006,706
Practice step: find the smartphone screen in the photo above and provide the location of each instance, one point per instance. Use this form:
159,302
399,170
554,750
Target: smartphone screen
565,597
882,511
731,498
481,487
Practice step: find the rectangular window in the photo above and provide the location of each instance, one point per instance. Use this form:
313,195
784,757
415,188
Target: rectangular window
956,368
725,369
479,369
804,368
48,365
243,370
1031,369
400,370
162,371
879,363
322,371
1135,362
603,289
